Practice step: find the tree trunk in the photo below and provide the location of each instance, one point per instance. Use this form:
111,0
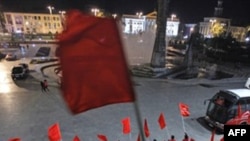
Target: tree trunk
158,59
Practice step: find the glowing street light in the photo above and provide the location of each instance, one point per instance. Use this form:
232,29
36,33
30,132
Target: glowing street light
95,11
173,16
139,14
114,15
50,9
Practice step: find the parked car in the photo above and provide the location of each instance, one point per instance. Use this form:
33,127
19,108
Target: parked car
25,66
10,57
19,72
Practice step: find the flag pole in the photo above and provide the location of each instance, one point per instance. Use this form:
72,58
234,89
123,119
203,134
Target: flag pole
167,133
183,124
139,121
130,137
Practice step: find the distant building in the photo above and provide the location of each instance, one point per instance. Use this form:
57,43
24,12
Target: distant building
33,23
134,24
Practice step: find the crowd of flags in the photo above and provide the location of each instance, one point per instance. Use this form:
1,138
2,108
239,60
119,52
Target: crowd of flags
54,132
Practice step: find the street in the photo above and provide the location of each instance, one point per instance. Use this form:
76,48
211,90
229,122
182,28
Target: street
27,113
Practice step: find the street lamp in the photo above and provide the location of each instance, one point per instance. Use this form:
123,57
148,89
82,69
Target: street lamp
95,11
173,16
139,14
50,9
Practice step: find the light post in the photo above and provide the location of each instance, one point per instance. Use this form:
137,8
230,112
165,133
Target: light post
95,11
50,9
173,16
139,14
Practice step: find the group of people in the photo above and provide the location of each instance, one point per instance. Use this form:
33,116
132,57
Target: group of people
44,86
186,138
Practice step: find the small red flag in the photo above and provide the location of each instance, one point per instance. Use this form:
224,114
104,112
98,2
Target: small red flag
161,121
126,125
102,137
184,109
212,136
76,138
14,139
146,129
54,132
139,137
94,68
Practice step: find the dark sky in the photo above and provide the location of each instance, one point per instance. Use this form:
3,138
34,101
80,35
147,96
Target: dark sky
189,11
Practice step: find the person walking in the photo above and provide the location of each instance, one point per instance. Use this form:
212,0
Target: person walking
172,138
42,86
45,83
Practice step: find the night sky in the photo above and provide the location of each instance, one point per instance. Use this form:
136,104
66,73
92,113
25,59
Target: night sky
189,11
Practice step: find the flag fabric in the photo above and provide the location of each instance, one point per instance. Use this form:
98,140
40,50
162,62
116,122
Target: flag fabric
184,109
54,133
126,125
94,68
102,137
161,121
138,138
222,139
14,139
76,138
146,129
212,136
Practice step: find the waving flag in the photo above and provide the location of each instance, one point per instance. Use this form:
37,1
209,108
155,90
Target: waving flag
138,138
126,125
14,139
161,121
76,138
184,109
54,133
102,137
212,136
94,68
146,129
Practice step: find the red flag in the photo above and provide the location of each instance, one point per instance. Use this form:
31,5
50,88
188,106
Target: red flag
54,132
126,125
14,139
212,136
76,138
184,109
161,121
102,137
146,129
222,139
94,68
139,137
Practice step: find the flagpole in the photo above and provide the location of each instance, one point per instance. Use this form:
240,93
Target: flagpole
138,118
167,133
183,124
130,137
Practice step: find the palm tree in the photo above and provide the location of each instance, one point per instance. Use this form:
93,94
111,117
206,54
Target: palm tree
159,52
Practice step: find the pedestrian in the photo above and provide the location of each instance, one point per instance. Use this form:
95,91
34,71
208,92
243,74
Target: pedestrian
172,138
42,86
45,83
186,138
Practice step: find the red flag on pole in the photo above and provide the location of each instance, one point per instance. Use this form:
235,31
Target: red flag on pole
161,121
212,136
126,125
146,129
76,138
138,138
14,139
102,137
184,109
54,132
93,63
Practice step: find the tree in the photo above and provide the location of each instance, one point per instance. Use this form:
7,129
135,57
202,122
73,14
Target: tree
159,52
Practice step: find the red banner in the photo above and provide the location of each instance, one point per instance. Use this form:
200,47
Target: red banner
54,133
146,129
93,63
102,137
184,109
14,139
161,121
126,125
76,138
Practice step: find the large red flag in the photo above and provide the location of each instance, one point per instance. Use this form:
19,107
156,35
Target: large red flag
14,139
76,138
102,137
146,129
54,132
126,125
161,121
184,109
93,63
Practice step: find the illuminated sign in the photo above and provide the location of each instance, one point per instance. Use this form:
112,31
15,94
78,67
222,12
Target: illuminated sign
172,28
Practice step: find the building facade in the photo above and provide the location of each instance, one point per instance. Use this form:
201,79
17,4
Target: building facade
33,23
